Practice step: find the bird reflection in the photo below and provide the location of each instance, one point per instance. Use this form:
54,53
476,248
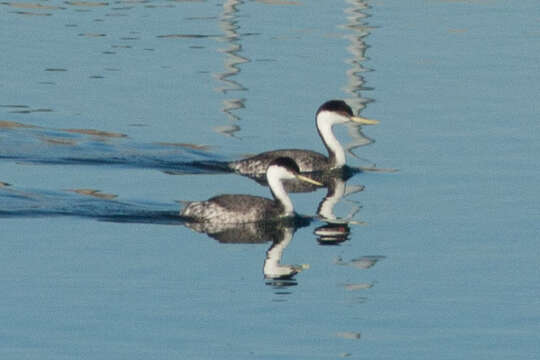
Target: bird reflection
358,31
228,23
337,191
332,234
336,230
280,234
273,269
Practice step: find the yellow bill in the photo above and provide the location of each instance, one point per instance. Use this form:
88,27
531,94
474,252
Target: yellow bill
308,180
363,121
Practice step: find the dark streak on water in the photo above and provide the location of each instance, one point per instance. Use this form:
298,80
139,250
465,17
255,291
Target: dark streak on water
37,203
29,144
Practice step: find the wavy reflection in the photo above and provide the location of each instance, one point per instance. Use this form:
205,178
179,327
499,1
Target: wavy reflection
229,24
337,229
358,30
337,191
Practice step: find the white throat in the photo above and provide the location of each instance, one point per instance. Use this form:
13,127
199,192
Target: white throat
274,175
325,121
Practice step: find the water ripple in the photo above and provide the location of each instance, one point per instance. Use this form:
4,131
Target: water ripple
38,145
84,203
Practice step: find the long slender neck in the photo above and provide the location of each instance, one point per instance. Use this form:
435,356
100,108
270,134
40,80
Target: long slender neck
335,150
278,191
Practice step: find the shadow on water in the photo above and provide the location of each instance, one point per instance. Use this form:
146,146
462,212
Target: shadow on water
83,203
38,145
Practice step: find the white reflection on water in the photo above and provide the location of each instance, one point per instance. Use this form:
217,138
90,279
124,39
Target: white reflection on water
229,24
358,30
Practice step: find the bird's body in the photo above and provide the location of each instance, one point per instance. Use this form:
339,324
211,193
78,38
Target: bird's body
248,208
329,114
232,208
307,160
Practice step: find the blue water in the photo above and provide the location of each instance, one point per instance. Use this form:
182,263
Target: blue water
103,106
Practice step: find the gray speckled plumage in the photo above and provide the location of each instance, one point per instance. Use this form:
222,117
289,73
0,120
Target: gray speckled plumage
248,208
329,114
307,160
232,209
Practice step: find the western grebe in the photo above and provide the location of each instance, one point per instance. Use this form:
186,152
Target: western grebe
329,114
248,208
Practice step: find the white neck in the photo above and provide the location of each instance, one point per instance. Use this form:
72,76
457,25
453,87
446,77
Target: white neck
325,121
274,176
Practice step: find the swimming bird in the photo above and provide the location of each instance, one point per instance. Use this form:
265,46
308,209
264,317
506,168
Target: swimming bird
248,208
329,114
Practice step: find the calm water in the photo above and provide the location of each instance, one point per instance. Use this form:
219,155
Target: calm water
103,106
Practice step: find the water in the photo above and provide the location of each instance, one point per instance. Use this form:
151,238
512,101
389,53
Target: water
100,101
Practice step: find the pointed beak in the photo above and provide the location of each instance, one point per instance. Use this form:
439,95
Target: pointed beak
308,180
363,121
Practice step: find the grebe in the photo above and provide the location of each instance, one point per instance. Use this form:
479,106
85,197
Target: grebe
248,208
329,114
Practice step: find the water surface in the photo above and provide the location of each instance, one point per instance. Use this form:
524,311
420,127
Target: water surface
100,101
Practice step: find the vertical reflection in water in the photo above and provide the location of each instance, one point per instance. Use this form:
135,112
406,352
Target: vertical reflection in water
229,24
358,30
274,271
